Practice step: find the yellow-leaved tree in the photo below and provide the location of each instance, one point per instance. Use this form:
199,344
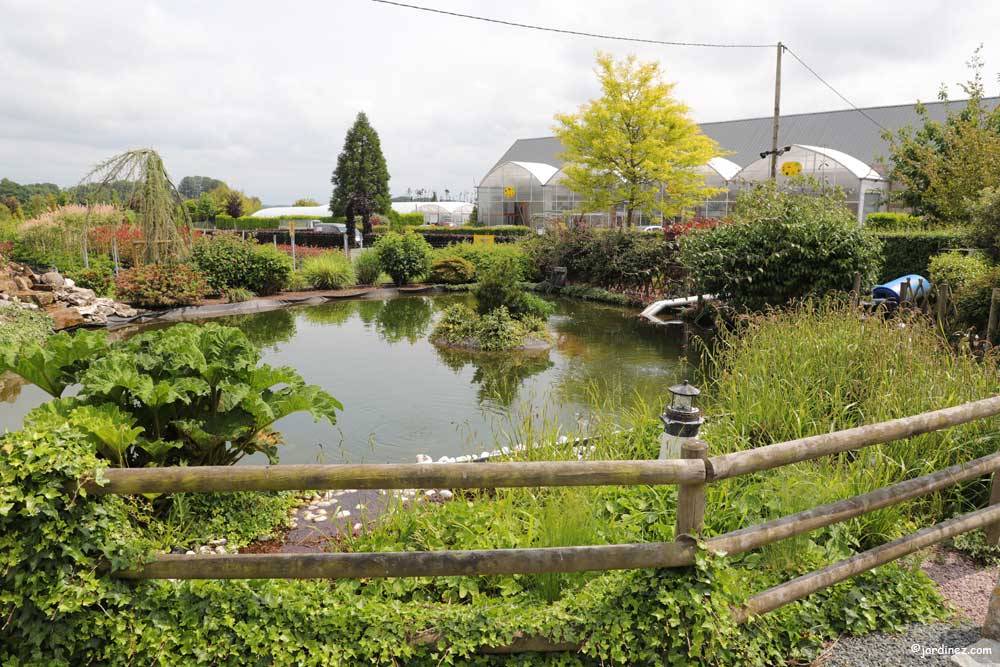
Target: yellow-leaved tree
635,146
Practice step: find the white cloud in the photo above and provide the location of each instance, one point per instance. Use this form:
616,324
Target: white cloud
261,94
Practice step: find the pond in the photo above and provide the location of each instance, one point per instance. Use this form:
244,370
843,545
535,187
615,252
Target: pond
402,395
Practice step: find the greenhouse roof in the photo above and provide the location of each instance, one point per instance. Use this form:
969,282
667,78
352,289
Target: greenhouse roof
846,130
849,162
431,206
282,211
723,167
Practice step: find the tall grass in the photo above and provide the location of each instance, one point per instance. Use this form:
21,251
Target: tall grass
330,270
821,368
778,376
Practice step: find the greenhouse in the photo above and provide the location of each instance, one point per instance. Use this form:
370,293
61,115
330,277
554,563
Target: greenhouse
534,194
718,173
437,212
512,193
863,187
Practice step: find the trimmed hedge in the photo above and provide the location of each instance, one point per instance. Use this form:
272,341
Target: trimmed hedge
465,230
895,221
906,252
247,222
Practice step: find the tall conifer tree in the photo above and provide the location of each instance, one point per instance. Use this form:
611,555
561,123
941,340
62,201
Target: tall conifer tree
361,179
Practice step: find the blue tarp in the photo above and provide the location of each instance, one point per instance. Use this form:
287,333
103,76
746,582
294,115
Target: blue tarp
919,286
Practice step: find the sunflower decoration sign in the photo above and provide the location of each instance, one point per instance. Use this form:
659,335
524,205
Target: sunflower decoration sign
791,168
508,192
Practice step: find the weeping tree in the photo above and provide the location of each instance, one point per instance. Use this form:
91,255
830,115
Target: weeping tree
159,206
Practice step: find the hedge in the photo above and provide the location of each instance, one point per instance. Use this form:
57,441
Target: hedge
248,222
895,221
906,252
467,230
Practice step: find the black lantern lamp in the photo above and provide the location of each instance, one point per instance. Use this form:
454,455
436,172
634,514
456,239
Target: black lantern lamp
681,420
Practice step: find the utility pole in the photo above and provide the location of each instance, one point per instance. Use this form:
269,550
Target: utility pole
777,113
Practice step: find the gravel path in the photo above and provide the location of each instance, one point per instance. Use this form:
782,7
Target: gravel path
918,646
963,583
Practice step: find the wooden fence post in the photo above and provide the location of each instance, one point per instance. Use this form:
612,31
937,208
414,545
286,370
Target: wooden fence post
993,530
991,628
943,298
691,497
904,293
991,328
856,290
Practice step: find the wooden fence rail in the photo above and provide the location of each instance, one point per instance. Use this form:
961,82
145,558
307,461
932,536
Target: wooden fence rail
691,472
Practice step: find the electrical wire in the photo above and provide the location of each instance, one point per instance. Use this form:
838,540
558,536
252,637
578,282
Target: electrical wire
622,38
577,33
836,92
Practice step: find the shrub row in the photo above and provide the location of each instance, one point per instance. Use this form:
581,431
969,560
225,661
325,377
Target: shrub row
466,230
906,252
615,259
778,247
895,221
229,261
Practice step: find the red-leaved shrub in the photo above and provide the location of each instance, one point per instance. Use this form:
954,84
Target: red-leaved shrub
161,285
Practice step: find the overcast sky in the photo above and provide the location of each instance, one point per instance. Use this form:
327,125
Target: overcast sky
260,94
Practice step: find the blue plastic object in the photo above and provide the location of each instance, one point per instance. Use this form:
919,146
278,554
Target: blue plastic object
919,286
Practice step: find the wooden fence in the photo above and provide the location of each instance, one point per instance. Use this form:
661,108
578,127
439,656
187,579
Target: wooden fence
691,473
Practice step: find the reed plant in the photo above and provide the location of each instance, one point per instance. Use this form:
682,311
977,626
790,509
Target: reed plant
815,368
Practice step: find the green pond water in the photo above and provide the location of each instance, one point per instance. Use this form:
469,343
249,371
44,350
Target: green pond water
402,395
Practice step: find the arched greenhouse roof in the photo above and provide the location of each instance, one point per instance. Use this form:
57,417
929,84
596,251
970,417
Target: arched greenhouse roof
541,171
431,206
849,162
283,211
812,160
727,169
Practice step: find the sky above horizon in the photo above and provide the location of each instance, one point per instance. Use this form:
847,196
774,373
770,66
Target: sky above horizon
260,95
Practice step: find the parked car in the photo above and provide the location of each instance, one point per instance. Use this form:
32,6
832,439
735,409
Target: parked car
651,228
340,228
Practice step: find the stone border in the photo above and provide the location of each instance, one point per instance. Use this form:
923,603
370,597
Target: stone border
265,304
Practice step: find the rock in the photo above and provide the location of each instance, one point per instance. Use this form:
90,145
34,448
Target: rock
984,652
63,317
124,310
39,298
79,296
69,282
53,278
22,284
8,286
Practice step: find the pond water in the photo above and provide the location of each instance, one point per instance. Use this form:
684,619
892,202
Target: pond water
402,395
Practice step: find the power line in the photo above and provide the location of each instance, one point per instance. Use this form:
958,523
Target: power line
640,40
577,33
836,92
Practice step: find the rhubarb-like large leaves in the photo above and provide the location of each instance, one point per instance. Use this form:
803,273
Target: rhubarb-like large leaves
52,364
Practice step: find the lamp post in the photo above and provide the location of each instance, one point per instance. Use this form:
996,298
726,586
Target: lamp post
681,420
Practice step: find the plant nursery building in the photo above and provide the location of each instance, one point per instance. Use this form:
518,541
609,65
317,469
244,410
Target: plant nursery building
839,148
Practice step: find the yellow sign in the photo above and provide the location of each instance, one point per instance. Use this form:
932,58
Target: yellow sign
791,168
486,239
508,192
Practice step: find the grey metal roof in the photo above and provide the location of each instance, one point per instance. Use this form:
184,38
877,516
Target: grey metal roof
845,130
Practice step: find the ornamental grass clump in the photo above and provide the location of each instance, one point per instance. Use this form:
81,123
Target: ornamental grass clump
329,270
367,268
